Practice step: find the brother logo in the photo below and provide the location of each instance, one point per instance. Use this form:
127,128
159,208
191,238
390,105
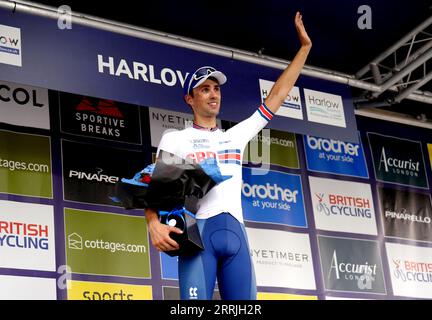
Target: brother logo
335,146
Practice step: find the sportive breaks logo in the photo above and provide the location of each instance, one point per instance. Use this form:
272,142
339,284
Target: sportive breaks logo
10,45
398,161
273,198
99,118
335,156
325,108
343,206
351,265
103,107
406,214
119,243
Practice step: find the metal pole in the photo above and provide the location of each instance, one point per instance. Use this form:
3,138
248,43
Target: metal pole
395,46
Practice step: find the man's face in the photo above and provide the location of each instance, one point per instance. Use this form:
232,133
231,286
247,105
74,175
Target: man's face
206,99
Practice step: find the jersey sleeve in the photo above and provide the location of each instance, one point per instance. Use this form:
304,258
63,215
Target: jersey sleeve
247,129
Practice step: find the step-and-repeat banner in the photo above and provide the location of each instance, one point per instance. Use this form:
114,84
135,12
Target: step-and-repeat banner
326,219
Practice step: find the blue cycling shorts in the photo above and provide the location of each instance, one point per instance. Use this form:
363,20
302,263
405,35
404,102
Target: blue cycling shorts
226,257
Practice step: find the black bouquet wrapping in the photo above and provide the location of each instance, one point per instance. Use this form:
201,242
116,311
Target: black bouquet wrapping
172,186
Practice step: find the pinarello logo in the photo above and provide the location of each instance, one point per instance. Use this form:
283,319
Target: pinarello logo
99,106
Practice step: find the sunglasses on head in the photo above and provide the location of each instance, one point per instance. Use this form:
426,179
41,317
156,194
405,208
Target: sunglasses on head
201,73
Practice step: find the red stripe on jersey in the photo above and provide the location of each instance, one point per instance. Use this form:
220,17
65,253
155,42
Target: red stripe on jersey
265,112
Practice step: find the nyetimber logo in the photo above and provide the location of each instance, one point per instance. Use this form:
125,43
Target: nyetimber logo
89,176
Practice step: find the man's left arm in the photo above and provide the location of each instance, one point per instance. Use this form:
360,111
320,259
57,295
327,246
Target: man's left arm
289,76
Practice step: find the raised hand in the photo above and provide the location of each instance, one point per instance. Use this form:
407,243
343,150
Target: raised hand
301,31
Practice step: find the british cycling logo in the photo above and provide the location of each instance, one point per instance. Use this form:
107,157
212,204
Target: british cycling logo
22,235
343,205
412,271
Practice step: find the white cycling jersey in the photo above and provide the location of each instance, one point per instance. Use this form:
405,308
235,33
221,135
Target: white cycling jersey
227,148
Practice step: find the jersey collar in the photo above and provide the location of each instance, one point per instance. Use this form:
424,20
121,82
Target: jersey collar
197,126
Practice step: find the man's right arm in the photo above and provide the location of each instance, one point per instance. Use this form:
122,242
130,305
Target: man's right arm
159,232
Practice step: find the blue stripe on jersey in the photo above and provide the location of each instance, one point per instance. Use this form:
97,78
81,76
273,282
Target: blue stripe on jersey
230,161
229,151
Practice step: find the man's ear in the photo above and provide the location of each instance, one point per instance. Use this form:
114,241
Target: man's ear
188,98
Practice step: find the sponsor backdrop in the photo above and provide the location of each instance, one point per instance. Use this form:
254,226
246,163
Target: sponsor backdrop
326,218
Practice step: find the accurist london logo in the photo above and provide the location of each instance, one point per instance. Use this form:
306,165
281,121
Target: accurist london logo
351,265
398,161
